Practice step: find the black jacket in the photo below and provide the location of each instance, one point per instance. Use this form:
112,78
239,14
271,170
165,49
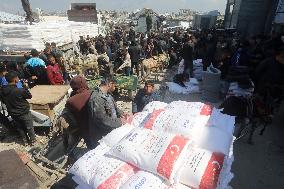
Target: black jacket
142,99
134,52
269,73
187,52
16,100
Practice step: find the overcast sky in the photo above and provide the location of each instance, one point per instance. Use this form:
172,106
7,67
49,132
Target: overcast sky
158,5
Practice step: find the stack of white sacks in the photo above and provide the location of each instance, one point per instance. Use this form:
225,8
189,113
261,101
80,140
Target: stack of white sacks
19,37
180,145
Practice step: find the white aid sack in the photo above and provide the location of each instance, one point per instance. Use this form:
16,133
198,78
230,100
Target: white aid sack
116,135
111,173
155,105
178,121
213,139
160,153
202,169
100,171
138,119
226,175
194,108
224,122
84,167
146,180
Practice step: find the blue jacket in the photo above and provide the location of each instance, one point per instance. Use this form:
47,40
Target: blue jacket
4,82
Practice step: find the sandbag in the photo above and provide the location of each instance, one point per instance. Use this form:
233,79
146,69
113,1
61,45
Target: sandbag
160,153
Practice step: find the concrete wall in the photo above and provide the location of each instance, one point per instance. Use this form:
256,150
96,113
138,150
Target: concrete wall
198,21
250,17
255,16
232,13
279,18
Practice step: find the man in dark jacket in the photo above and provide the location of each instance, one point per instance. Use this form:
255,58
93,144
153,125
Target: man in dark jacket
144,96
269,75
187,56
135,55
18,107
132,34
104,116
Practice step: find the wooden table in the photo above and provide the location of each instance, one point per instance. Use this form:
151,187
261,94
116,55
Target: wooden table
49,99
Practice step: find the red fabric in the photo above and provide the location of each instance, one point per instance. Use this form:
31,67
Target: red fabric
77,102
54,75
172,153
155,114
212,172
78,85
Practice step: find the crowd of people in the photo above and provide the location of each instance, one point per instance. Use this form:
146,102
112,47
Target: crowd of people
94,113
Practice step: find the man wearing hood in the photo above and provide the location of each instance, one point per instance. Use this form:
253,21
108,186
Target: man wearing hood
76,112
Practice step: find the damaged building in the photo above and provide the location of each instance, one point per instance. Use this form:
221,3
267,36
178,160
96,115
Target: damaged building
83,12
250,17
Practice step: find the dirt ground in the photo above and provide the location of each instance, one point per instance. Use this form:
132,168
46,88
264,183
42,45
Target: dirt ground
261,166
258,166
